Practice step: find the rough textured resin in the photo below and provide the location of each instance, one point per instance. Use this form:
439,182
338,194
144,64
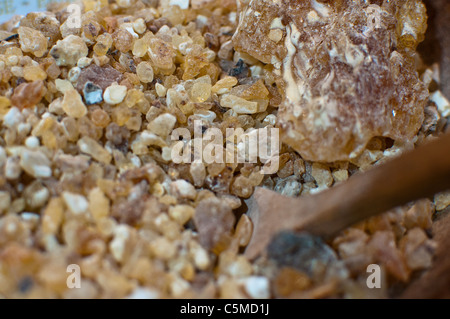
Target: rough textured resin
348,69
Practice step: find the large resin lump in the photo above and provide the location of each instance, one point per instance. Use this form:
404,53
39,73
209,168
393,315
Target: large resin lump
348,68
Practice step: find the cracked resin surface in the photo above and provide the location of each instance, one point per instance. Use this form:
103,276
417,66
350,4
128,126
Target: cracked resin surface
348,69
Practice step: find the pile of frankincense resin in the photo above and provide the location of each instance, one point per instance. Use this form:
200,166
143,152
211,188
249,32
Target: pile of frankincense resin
87,178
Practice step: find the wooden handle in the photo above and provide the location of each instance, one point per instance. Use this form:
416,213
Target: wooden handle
416,174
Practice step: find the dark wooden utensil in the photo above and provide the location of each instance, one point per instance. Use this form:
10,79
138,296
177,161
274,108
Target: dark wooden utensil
416,174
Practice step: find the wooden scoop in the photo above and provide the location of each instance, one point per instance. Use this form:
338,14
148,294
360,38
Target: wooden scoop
413,175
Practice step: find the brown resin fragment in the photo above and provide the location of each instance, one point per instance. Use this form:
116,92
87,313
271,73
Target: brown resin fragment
214,221
348,68
28,94
99,76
